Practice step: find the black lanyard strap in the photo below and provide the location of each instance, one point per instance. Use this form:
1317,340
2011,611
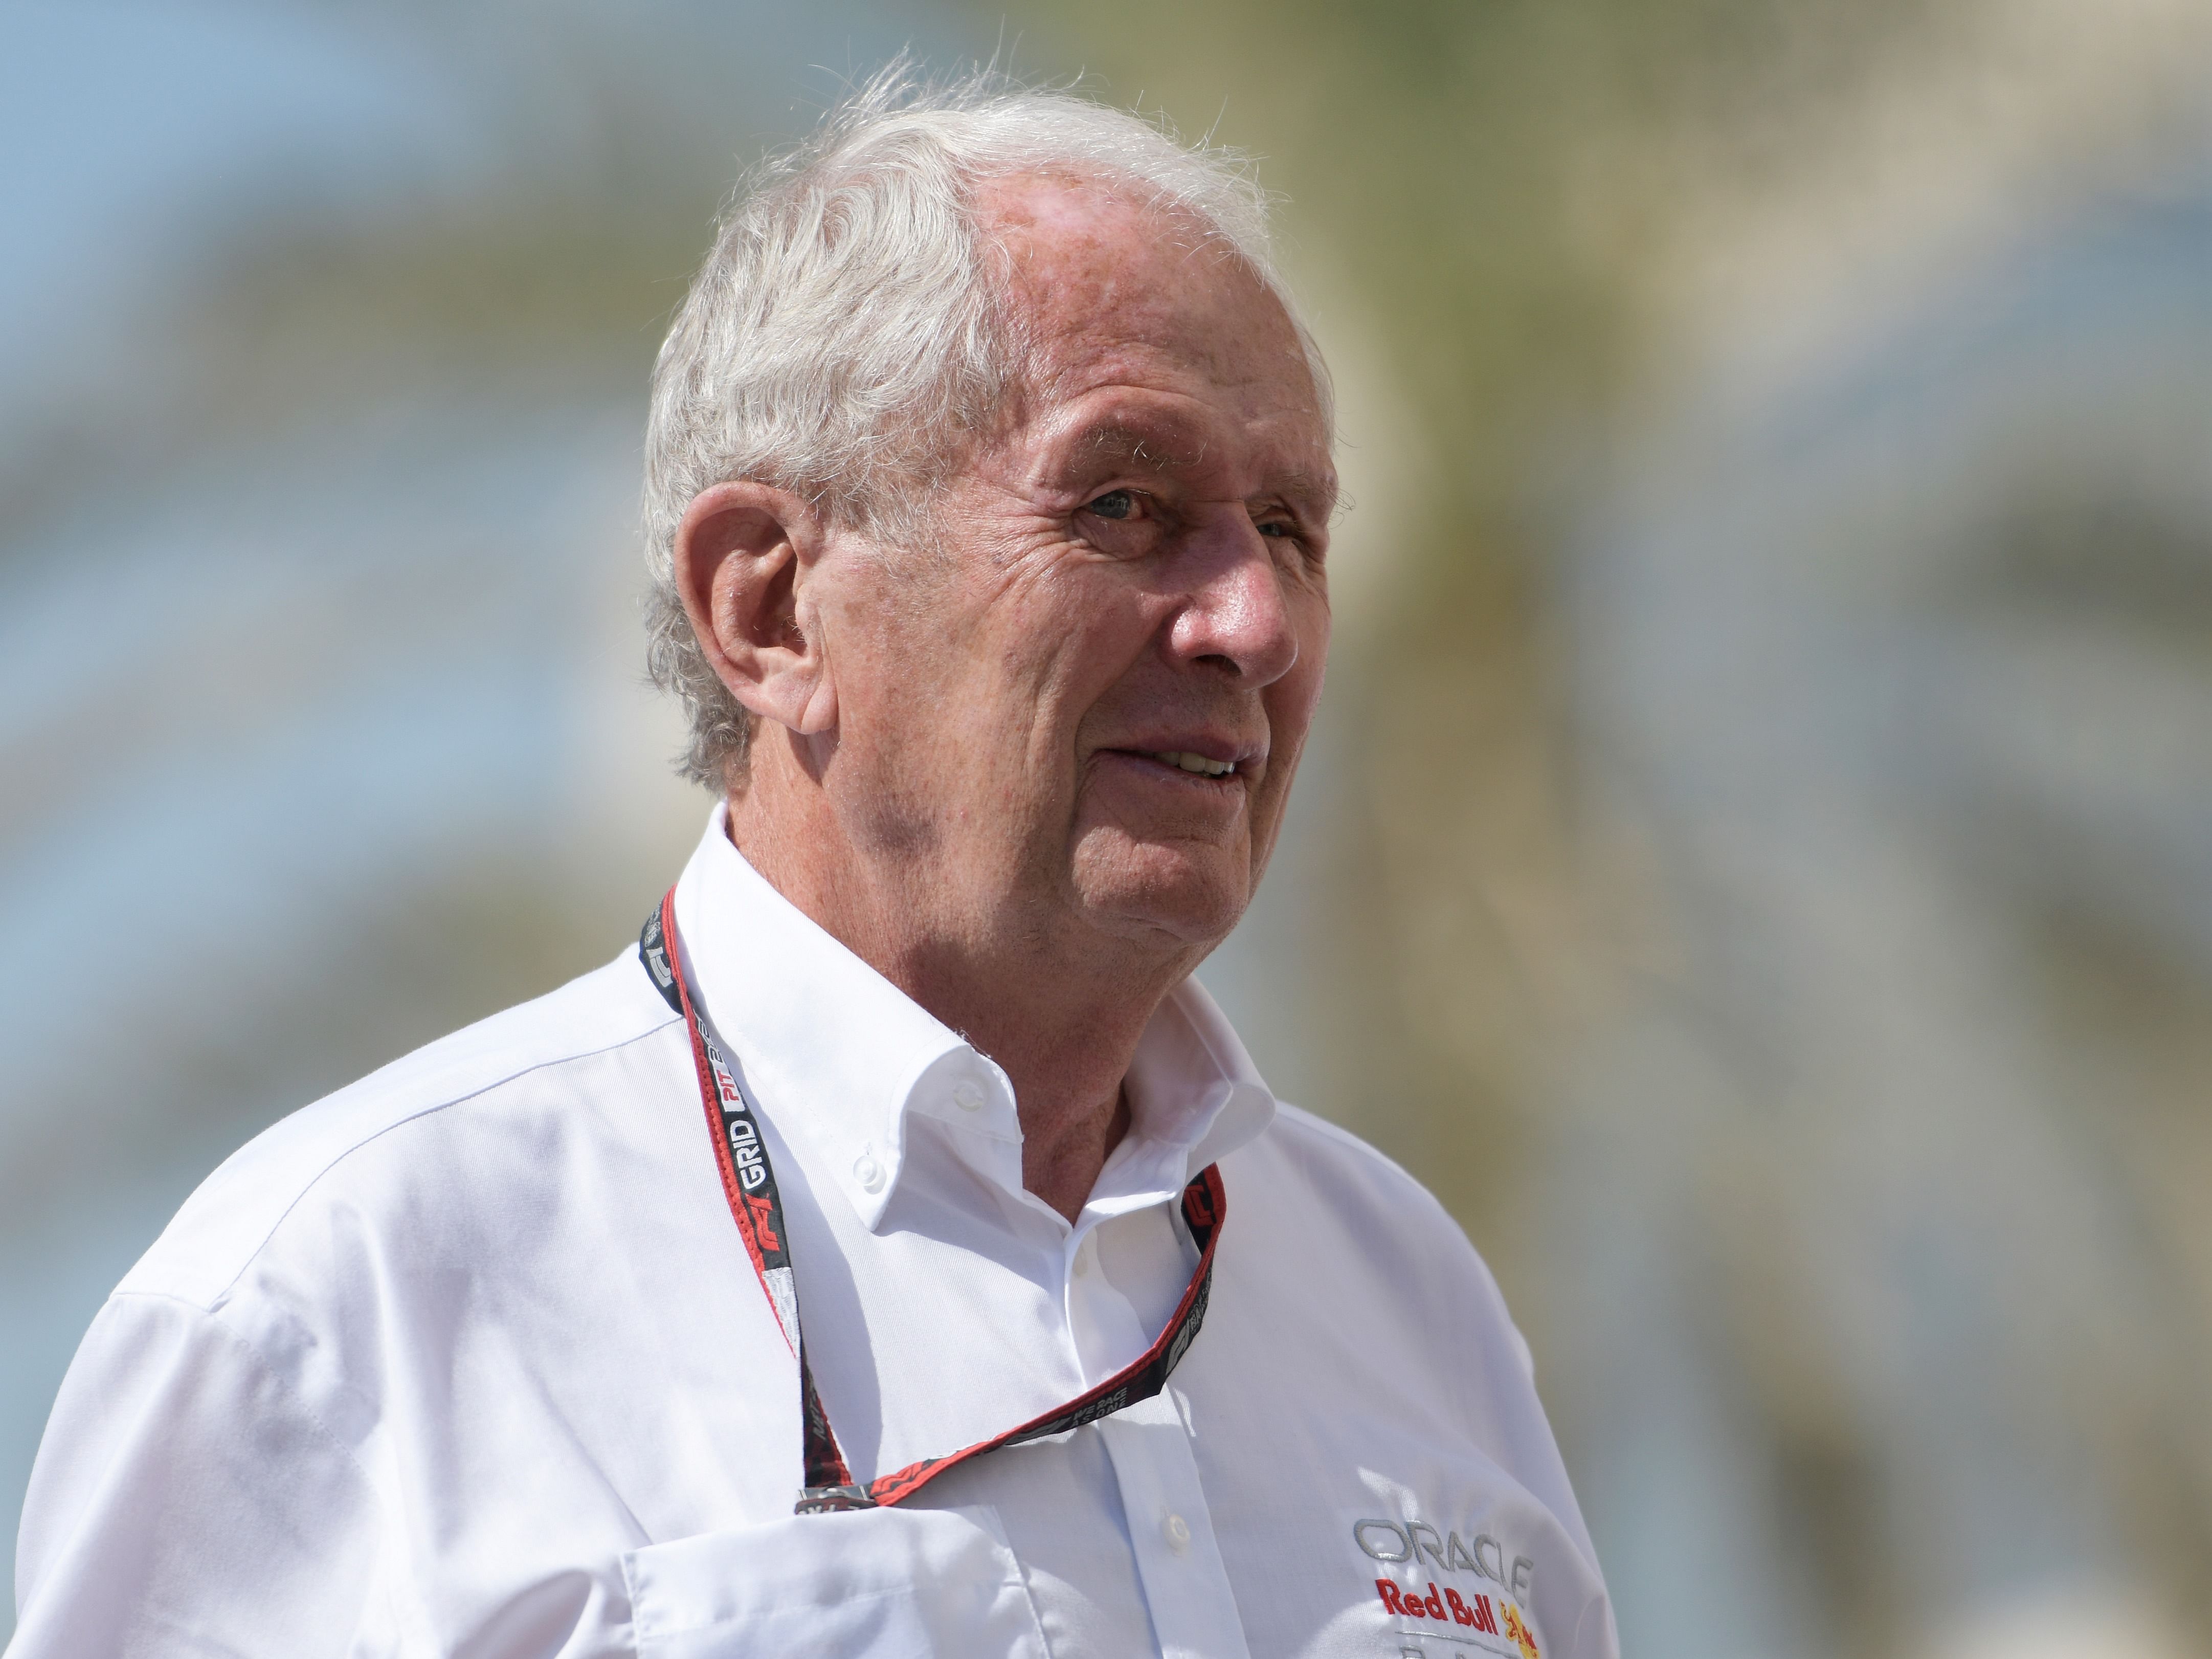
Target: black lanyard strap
748,1183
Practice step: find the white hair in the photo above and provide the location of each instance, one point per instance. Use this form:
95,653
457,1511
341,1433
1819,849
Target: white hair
847,339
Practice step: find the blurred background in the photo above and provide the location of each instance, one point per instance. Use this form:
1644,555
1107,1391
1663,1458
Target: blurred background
1756,865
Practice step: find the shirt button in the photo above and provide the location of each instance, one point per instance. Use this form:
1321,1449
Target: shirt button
868,1173
967,1096
1176,1530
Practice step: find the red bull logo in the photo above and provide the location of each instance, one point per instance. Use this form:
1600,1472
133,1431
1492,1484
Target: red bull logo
1477,1613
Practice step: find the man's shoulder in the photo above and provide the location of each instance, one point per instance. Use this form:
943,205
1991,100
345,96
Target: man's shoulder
1330,1191
1345,1171
481,1069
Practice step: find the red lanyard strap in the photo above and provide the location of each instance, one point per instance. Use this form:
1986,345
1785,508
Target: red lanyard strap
749,1183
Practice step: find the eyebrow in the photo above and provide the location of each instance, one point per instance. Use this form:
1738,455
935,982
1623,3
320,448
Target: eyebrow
1149,444
1314,492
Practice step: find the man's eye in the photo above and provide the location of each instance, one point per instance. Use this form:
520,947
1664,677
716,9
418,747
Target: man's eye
1115,504
1277,527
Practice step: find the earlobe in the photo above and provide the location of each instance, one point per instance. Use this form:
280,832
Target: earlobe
744,555
818,713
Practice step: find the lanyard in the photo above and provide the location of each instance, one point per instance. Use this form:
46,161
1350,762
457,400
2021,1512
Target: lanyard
748,1183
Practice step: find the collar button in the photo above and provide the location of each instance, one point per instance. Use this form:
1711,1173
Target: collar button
868,1173
967,1095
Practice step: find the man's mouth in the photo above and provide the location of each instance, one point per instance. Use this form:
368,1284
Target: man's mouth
1183,759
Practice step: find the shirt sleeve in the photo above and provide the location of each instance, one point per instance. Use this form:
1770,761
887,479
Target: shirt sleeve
184,1502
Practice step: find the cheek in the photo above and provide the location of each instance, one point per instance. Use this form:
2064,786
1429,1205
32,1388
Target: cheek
1012,704
1073,654
931,646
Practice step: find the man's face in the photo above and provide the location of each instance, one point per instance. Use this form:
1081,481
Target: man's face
1083,707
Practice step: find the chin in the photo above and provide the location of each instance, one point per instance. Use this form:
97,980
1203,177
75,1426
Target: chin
1192,904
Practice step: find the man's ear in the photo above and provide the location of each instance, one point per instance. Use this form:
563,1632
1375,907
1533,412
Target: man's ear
743,556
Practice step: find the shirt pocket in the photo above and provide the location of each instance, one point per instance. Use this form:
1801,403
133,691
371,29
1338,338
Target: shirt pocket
882,1583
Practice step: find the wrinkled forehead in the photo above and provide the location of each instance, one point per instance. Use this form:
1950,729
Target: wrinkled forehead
1109,291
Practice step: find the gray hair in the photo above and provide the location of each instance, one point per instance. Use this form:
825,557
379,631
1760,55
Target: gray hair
847,340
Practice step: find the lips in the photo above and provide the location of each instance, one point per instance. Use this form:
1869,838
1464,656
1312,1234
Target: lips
1197,757
1190,761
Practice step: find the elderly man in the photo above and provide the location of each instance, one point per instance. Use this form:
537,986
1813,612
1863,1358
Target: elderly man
897,1252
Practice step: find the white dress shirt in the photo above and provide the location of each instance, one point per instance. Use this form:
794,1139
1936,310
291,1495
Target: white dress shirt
469,1360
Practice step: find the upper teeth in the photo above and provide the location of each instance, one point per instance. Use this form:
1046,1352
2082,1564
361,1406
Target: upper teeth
1190,763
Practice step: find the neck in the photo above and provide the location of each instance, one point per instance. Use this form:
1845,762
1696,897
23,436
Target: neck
1062,1021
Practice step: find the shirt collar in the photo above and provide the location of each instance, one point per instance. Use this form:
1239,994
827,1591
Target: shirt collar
834,1050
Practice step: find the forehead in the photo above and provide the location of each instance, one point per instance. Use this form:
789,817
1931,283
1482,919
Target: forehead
1134,311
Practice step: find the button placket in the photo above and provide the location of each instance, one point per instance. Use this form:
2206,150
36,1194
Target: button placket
1102,1328
1179,1563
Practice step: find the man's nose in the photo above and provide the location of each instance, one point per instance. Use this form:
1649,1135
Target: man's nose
1235,615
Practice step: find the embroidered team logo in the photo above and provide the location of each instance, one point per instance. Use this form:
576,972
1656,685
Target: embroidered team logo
1487,1611
1521,1632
